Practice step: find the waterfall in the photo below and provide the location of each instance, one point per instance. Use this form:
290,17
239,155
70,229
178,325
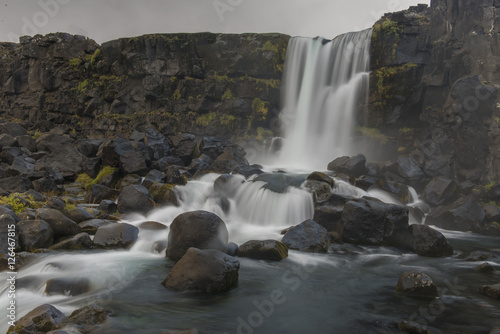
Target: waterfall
325,84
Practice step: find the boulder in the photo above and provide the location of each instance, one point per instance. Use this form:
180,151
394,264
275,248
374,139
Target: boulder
7,221
80,241
46,185
135,199
203,270
20,167
153,226
127,180
67,286
79,215
247,171
349,165
369,221
97,193
108,206
86,319
491,290
492,212
118,235
56,204
417,284
426,241
89,147
439,191
18,184
485,268
157,143
35,234
321,177
199,229
479,256
42,319
330,217
176,175
7,140
91,226
263,250
184,147
133,162
154,176
7,210
164,194
465,214
411,327
308,236
320,190
60,224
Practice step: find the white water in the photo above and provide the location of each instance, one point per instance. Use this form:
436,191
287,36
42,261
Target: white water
325,84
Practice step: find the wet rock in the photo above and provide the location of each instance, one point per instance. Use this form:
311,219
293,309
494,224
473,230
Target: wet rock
426,241
154,176
439,190
330,217
203,270
46,185
42,319
67,286
91,226
200,229
308,236
108,206
157,143
56,204
135,199
184,147
320,190
5,222
492,213
321,177
263,250
60,224
181,331
153,226
417,284
366,182
465,214
86,319
79,215
164,194
491,290
485,268
89,147
202,162
349,165
118,235
164,163
247,171
97,193
479,256
411,327
35,234
80,241
232,249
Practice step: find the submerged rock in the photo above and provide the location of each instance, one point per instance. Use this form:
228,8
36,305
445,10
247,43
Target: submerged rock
308,236
203,270
67,286
426,241
485,268
86,319
42,319
80,241
411,327
263,250
417,284
199,229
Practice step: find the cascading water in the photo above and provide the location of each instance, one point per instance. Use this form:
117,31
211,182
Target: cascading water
325,84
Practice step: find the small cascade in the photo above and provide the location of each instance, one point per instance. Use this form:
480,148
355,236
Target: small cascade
325,85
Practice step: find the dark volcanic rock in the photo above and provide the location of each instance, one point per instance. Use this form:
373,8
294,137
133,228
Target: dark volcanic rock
86,319
491,290
428,242
308,236
80,241
135,199
439,190
417,284
60,224
349,165
35,234
79,215
465,214
42,319
67,286
91,226
203,270
97,193
263,250
118,235
199,229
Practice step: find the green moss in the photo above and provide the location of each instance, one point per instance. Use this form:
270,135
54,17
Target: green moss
221,78
37,134
206,120
227,120
268,46
173,79
260,107
228,95
373,133
14,202
262,134
406,131
106,171
385,81
94,59
489,185
85,180
177,95
75,62
389,26
82,85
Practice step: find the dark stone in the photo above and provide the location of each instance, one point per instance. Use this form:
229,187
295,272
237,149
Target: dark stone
439,191
199,229
7,221
417,284
27,142
465,214
491,290
18,184
89,147
164,194
56,204
9,154
108,206
492,213
128,180
97,193
479,256
411,327
426,241
308,236
164,163
118,235
135,199
46,185
7,140
42,319
321,177
330,217
92,167
67,286
485,268
86,319
157,143
7,210
91,226
34,195
232,249
199,163
175,176
349,165
320,190
60,224
35,234
20,167
181,331
247,171
133,163
263,250
203,270
153,226
80,241
366,182
154,176
79,215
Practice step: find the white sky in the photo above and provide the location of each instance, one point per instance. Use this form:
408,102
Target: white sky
104,20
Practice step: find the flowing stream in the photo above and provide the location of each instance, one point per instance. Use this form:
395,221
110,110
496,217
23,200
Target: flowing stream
350,289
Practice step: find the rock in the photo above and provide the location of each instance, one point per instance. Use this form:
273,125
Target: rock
133,163
465,214
426,241
485,268
56,204
164,194
439,191
321,177
18,184
35,234
479,256
153,226
232,249
491,290
247,171
202,162
184,147
108,206
182,331
79,215
42,319
417,284
263,250
54,174
175,176
408,169
199,229
411,327
308,236
20,167
7,210
118,235
9,154
157,143
86,319
60,224
330,217
67,286
372,222
203,270
128,180
97,193
34,196
135,199
46,185
7,140
366,182
492,213
89,147
80,241
154,176
7,222
349,165
320,190
91,226
164,163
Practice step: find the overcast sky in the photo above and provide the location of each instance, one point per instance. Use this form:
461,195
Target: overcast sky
104,20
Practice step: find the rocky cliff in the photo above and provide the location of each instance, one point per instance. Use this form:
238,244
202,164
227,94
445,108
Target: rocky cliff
214,84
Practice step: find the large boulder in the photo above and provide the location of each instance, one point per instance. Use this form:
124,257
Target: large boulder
308,236
330,217
80,241
118,235
426,241
263,250
349,165
86,319
7,223
91,226
67,286
42,319
60,224
465,214
369,221
439,190
417,284
98,193
135,199
35,234
164,194
491,290
79,215
203,270
199,229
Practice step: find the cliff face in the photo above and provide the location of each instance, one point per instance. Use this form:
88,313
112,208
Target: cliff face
435,74
215,84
